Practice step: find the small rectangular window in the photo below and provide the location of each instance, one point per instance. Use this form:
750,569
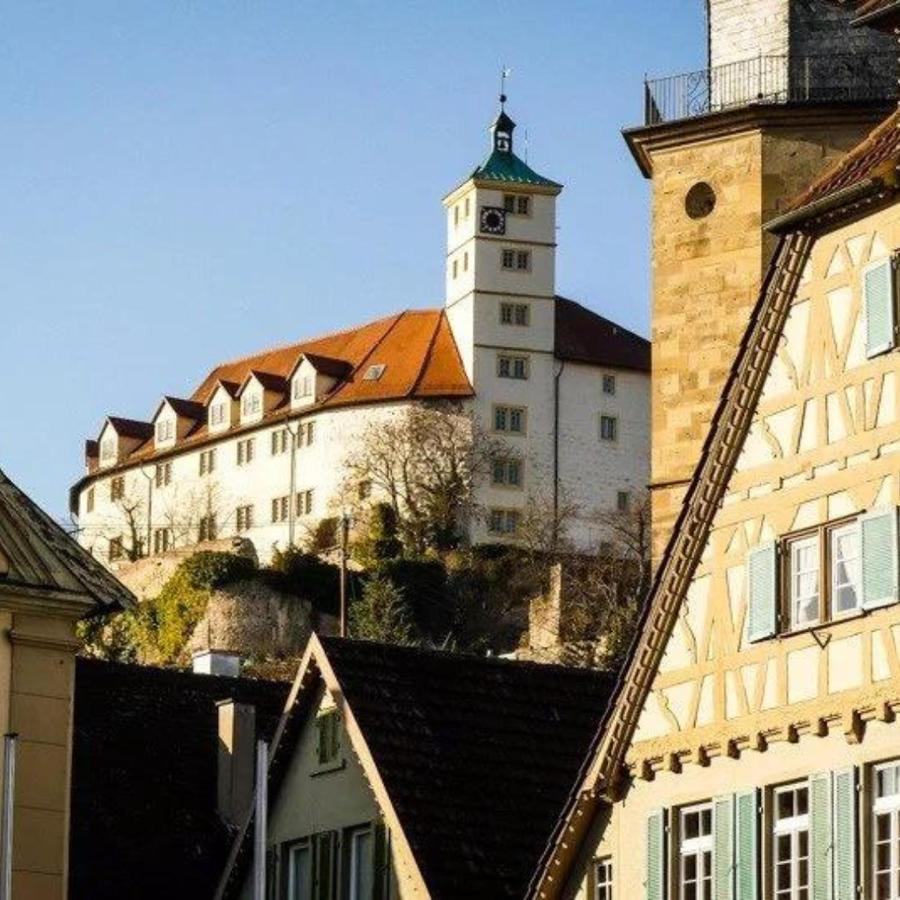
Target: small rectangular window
116,550
509,419
165,429
206,528
310,433
207,461
454,268
504,521
695,856
523,260
456,215
509,203
790,841
251,403
803,590
361,869
245,451
279,441
508,259
515,367
364,490
280,509
243,518
328,737
304,502
89,502
609,384
117,488
506,472
466,261
299,871
603,879
217,414
623,499
515,314
517,204
609,428
162,540
163,475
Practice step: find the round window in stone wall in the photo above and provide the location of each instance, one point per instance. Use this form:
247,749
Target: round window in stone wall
700,200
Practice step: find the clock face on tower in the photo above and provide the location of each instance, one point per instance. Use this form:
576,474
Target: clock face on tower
493,220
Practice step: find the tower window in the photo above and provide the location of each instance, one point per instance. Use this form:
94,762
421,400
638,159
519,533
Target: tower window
468,207
622,501
455,268
609,384
466,261
523,260
509,259
515,314
510,419
456,215
512,367
517,204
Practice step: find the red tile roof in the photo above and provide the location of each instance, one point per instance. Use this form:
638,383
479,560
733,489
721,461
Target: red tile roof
875,157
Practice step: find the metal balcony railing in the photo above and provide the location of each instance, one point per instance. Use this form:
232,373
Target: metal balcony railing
771,80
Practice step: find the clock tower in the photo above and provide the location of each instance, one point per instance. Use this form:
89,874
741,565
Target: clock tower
500,265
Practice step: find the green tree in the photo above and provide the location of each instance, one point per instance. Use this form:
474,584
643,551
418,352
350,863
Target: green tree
381,614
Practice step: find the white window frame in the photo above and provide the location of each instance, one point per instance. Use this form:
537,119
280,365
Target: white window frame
165,430
856,583
356,858
604,885
217,413
305,846
888,805
792,827
696,847
514,367
795,597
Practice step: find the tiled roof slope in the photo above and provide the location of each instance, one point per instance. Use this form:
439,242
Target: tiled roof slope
875,157
37,556
584,336
477,755
144,822
508,168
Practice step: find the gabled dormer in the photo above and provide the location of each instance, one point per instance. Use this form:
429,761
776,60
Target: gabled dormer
120,437
223,409
175,419
260,393
314,377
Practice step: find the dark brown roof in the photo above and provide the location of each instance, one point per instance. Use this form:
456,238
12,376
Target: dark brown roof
335,368
270,382
877,13
144,767
584,336
131,428
876,157
476,754
37,556
91,449
188,409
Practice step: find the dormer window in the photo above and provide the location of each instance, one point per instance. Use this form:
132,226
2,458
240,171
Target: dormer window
165,430
108,449
374,373
217,414
304,387
251,404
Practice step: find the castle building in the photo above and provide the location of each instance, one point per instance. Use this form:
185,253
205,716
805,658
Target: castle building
259,448
751,748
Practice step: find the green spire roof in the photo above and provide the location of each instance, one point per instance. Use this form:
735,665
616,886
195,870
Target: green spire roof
507,167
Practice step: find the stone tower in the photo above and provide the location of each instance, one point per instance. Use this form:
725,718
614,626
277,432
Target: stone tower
789,87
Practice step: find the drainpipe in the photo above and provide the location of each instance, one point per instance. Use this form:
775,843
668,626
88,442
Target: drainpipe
260,821
292,496
556,380
9,792
147,549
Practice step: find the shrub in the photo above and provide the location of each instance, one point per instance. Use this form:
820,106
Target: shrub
325,535
381,614
307,576
210,569
423,584
381,540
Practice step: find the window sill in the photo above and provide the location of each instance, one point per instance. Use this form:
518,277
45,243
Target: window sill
821,626
328,768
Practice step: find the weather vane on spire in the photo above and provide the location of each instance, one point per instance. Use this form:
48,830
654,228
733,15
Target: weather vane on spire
505,72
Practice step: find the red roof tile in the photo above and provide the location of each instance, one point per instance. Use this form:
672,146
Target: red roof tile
875,157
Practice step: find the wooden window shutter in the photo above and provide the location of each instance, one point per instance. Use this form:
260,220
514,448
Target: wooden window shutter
879,304
845,824
656,856
878,546
723,847
746,845
325,865
820,836
762,592
381,862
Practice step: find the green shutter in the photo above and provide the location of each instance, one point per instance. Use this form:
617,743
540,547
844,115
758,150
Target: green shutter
656,856
746,845
723,847
845,834
325,865
762,592
820,840
878,539
381,862
878,299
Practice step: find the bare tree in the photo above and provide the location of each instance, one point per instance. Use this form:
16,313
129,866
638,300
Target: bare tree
425,463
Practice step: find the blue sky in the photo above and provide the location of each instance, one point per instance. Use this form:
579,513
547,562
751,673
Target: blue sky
186,182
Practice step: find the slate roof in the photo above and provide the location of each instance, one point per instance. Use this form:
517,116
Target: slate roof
131,428
144,823
584,336
477,755
188,409
877,156
38,557
509,169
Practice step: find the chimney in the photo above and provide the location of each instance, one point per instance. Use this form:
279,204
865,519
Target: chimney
216,662
237,740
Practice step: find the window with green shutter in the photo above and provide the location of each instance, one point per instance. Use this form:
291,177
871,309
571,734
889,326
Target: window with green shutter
878,533
723,848
879,302
762,592
746,845
820,835
324,875
845,823
328,738
655,875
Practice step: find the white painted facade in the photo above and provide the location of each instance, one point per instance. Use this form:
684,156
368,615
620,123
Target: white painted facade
503,321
